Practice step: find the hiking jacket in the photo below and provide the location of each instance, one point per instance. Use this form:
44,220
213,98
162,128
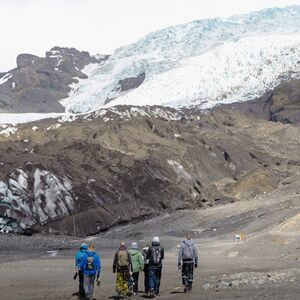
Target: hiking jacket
149,255
78,258
193,249
84,264
122,269
137,260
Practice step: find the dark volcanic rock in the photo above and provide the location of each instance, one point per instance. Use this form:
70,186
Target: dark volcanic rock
280,105
111,168
285,106
38,83
131,83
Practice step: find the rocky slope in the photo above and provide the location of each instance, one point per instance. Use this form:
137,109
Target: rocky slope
129,163
280,105
38,83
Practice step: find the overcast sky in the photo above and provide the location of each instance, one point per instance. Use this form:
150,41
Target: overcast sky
100,26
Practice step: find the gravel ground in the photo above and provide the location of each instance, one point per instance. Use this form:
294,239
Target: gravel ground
263,266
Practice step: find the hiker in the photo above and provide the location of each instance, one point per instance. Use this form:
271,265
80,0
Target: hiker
155,255
78,258
137,265
91,267
188,255
146,266
123,266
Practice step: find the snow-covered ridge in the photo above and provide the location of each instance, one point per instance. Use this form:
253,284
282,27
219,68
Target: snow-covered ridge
201,63
117,113
128,113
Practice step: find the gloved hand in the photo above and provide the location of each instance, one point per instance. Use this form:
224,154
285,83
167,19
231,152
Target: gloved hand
196,265
114,271
98,282
179,266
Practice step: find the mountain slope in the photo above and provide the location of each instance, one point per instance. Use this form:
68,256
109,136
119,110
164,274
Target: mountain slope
202,63
38,83
124,164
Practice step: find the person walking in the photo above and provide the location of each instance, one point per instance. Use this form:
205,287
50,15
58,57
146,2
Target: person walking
137,265
122,265
78,259
187,260
155,255
146,267
91,267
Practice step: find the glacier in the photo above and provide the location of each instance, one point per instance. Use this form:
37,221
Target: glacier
202,63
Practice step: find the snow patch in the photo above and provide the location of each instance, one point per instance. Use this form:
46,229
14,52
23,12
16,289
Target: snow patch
53,127
7,130
15,119
4,78
179,169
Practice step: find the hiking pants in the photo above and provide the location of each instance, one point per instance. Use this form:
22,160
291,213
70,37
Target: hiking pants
89,282
187,273
136,282
154,274
81,287
122,282
146,279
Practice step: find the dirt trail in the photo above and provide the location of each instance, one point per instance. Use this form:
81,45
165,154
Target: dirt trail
264,266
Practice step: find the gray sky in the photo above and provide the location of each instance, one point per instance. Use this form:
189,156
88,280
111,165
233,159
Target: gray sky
100,26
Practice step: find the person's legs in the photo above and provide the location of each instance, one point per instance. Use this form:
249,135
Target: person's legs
81,287
190,275
91,286
184,273
119,282
151,279
125,279
146,279
86,281
157,281
136,282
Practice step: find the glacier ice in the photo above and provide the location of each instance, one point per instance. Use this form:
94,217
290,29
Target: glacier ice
201,63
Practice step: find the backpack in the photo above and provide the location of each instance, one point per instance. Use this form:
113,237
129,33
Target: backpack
187,252
155,258
91,263
123,260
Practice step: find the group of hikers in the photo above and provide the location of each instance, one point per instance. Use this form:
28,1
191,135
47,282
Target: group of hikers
128,263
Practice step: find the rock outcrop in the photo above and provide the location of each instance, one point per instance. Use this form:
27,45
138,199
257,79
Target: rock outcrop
38,83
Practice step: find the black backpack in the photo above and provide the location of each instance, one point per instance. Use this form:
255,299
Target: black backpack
155,255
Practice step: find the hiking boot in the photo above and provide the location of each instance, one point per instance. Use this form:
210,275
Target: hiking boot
152,293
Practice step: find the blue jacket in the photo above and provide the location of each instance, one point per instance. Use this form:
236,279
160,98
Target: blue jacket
84,264
78,258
